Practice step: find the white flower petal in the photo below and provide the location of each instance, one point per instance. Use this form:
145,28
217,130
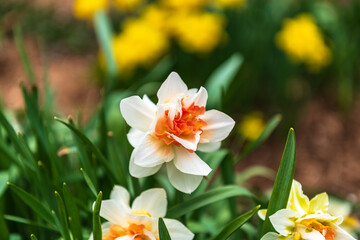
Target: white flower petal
141,219
324,217
209,147
283,221
120,195
298,201
135,136
172,86
218,127
190,163
149,234
192,91
188,144
199,99
138,171
137,113
275,236
183,182
341,233
153,201
149,103
127,237
114,212
308,234
262,213
177,230
151,152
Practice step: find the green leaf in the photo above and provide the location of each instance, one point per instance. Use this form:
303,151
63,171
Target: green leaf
207,198
28,222
4,178
4,232
269,128
235,224
220,80
104,36
73,213
163,232
33,237
89,182
283,182
63,216
34,204
97,234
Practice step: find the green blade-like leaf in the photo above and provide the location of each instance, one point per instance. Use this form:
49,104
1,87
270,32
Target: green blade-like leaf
28,222
4,178
283,182
89,182
220,80
235,224
4,232
97,234
73,213
163,232
34,204
104,36
207,198
269,128
63,216
33,237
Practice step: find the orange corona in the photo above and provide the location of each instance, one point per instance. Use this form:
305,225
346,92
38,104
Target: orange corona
326,231
134,230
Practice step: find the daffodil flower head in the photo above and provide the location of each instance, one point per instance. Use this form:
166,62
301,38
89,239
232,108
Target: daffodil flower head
305,219
140,221
170,132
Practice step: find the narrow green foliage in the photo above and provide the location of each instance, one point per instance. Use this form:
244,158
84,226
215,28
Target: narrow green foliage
117,160
269,128
88,182
104,36
4,232
28,222
163,232
235,224
97,234
207,198
4,178
33,237
23,54
63,216
34,204
73,214
220,79
283,182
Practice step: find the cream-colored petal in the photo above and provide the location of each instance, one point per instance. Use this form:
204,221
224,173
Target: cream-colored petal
151,152
172,87
149,234
308,234
341,233
284,221
120,195
149,103
323,217
275,236
218,127
113,212
137,113
177,230
183,182
198,99
138,171
188,144
319,203
135,136
140,219
262,213
190,163
298,201
153,201
209,147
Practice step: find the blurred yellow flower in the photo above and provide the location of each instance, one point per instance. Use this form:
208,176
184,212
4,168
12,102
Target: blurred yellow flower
184,4
127,5
139,44
197,32
303,41
230,3
85,9
156,16
252,126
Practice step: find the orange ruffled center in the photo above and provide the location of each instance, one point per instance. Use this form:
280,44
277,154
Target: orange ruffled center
134,230
326,231
185,125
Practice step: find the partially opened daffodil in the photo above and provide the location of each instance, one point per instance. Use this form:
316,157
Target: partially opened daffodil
171,131
140,221
305,219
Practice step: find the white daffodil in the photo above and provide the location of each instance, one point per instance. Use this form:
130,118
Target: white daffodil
140,221
305,219
171,131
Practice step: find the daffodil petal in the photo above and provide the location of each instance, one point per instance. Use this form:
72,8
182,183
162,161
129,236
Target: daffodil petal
190,163
137,113
172,86
262,213
153,201
298,201
140,219
151,152
138,171
149,234
135,136
183,182
191,145
319,203
177,230
308,234
104,229
324,217
121,196
113,212
198,99
275,236
341,233
283,221
209,147
218,127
